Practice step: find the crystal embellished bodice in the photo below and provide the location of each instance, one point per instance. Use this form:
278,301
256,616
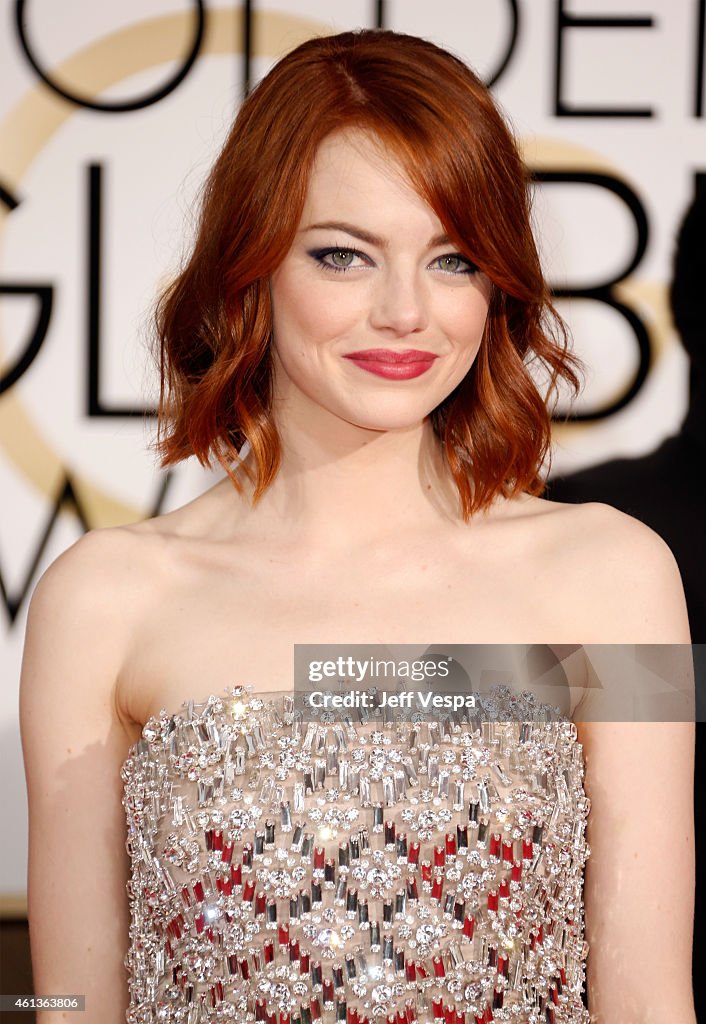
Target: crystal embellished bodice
288,871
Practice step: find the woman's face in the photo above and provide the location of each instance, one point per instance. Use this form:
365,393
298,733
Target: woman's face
371,269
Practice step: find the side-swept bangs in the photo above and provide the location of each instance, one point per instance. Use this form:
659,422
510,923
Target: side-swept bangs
213,322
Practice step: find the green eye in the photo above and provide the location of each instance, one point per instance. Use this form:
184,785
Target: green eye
341,258
333,258
455,263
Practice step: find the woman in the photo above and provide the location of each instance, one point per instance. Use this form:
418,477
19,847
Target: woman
364,307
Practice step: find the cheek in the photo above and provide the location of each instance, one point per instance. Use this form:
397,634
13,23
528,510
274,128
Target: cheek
464,321
308,309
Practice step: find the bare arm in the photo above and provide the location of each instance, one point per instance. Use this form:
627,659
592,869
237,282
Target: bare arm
74,744
639,887
639,891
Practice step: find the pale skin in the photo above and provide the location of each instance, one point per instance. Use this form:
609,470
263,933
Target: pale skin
359,539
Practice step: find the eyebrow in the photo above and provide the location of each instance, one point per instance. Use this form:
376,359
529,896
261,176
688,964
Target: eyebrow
367,236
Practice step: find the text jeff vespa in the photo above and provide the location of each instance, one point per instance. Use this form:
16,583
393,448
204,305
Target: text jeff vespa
426,700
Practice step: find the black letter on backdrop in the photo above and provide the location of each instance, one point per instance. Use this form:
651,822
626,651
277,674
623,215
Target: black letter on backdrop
95,406
565,21
65,496
510,49
379,20
114,106
247,45
603,290
45,294
700,48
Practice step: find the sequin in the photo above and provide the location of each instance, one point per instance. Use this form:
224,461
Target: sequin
411,871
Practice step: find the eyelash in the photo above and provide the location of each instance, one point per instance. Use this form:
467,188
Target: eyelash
319,254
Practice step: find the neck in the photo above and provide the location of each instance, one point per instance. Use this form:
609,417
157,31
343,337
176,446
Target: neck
346,485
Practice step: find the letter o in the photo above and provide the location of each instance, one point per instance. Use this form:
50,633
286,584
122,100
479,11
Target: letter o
114,106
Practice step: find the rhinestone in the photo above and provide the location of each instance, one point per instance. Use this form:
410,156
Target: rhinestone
425,935
382,994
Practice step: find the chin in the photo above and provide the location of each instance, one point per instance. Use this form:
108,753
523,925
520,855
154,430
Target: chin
384,423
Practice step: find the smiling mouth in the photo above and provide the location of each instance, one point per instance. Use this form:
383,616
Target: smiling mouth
393,365
389,356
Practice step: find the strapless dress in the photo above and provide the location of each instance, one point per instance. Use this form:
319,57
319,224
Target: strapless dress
294,870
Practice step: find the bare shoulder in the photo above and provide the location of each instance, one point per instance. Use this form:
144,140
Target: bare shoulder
83,613
622,576
619,539
82,621
113,574
101,565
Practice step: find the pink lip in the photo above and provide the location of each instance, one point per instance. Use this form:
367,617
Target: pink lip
384,362
388,355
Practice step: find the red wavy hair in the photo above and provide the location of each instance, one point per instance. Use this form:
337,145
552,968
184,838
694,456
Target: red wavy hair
213,322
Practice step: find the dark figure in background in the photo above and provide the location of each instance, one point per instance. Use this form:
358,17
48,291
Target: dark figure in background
666,489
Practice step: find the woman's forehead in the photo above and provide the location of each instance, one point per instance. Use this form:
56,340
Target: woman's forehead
352,173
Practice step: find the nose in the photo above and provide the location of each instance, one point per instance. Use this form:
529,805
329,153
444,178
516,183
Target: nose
399,304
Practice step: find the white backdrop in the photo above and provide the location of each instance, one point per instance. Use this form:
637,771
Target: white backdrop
95,208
